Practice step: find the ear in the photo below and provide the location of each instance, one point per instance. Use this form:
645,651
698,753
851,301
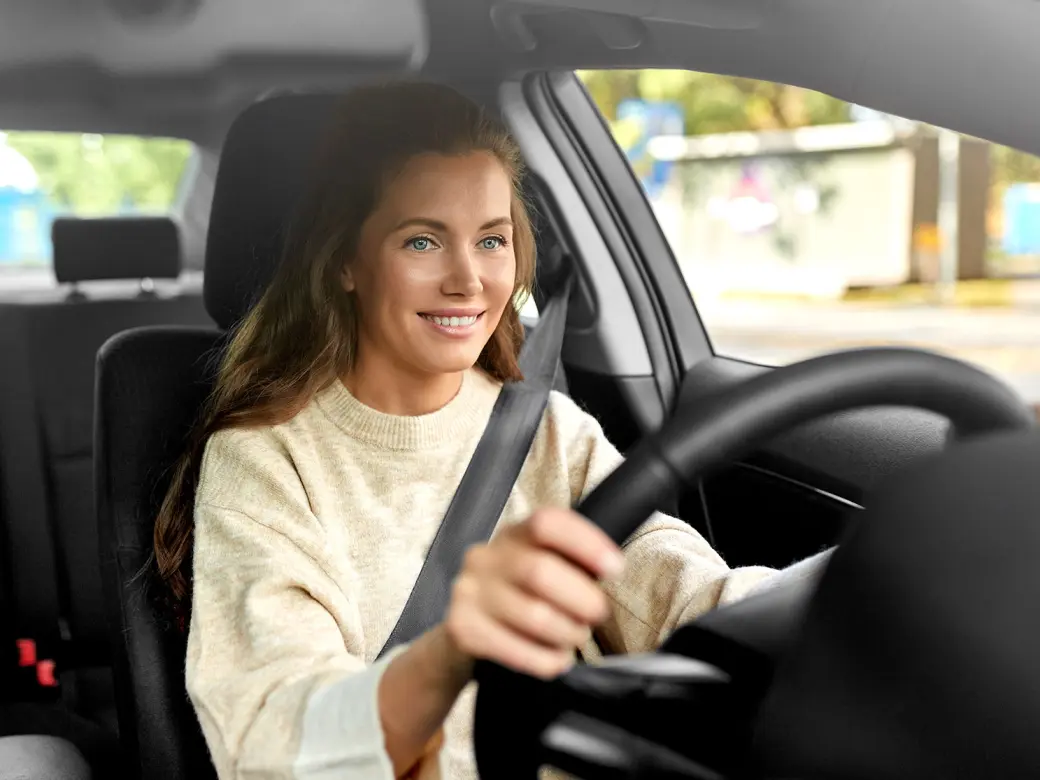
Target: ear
346,277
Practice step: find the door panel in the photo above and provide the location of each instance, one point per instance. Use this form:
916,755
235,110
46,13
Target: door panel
757,517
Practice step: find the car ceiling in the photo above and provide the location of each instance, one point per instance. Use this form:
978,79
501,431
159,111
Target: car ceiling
186,67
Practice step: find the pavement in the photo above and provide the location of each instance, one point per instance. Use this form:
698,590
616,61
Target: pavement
1003,338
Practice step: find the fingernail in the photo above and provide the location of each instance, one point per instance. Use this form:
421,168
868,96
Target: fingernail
612,565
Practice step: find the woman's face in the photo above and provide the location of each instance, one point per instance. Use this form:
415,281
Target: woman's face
435,267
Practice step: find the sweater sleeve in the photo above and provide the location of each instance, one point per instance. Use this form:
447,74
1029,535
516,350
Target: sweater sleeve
672,574
279,689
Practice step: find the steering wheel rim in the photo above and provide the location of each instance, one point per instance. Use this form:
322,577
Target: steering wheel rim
712,434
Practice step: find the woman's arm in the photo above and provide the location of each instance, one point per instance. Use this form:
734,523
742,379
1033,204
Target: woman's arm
416,694
279,688
672,573
276,659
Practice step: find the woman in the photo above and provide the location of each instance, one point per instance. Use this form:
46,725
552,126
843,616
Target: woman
347,408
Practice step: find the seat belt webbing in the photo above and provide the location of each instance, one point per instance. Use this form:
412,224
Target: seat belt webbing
489,478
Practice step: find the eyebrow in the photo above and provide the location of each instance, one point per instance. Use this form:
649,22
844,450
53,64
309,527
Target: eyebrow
435,224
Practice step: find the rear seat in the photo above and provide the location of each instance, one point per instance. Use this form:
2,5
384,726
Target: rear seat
47,356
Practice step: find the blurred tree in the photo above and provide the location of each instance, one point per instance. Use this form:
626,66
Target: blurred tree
95,175
716,104
1011,165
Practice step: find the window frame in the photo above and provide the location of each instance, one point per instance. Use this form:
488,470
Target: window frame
649,254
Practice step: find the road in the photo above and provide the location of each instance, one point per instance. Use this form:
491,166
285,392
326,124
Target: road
1004,341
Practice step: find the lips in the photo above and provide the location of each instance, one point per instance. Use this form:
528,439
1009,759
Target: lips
452,325
451,322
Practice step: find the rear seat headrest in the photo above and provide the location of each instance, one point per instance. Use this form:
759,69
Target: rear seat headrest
115,248
263,171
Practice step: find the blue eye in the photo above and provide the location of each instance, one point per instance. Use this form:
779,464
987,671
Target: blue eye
420,243
492,243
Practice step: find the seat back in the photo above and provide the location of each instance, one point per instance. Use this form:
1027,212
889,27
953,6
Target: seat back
151,384
48,346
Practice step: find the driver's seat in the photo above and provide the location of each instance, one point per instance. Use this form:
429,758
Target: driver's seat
151,383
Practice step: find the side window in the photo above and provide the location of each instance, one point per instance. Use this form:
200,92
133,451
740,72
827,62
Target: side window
804,224
44,175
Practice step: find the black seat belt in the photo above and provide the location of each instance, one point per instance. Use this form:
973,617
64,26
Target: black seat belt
485,487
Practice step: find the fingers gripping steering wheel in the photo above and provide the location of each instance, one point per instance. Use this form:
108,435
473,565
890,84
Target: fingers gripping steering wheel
514,711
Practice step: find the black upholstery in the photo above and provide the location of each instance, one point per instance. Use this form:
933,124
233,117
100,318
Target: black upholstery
59,343
263,170
157,378
115,248
151,383
48,345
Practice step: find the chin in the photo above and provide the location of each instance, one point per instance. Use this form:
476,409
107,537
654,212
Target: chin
449,364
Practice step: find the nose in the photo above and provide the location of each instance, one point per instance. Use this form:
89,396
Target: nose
463,277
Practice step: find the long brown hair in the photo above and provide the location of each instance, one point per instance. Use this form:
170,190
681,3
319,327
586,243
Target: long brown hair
302,334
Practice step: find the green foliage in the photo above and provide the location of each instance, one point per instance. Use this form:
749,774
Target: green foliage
716,104
95,175
1010,166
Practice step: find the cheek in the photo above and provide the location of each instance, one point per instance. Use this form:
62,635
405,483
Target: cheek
406,280
499,282
394,285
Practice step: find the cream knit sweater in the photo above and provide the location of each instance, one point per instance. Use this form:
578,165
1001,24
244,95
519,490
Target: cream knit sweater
309,537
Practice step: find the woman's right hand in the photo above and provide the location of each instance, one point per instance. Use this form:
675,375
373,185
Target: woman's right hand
531,595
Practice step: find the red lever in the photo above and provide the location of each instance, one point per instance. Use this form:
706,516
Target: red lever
26,652
45,674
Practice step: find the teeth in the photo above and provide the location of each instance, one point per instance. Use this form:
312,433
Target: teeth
451,322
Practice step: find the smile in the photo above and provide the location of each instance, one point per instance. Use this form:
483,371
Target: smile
452,325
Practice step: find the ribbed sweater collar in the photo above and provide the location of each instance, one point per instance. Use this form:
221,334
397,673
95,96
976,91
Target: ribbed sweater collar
470,407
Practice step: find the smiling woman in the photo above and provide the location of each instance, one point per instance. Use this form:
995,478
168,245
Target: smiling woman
349,404
397,281
402,238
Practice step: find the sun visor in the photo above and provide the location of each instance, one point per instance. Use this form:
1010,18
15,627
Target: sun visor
196,36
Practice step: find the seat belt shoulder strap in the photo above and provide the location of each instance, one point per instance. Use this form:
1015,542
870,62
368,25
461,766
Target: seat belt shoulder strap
481,496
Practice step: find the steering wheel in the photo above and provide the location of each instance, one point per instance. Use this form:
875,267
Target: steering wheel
593,721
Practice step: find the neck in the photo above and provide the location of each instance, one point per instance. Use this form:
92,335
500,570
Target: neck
397,392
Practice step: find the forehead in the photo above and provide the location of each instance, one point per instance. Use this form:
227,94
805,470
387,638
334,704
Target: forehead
457,190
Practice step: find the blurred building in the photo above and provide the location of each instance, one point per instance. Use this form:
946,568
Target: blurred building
25,214
817,210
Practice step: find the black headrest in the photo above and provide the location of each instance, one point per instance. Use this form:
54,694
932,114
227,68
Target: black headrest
115,248
263,172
